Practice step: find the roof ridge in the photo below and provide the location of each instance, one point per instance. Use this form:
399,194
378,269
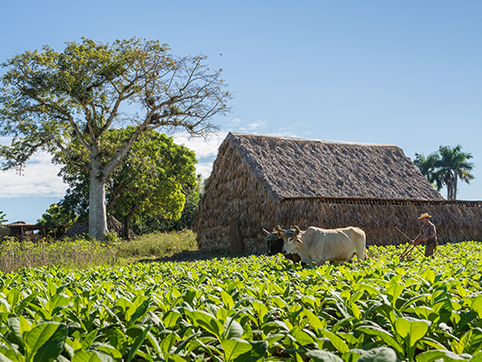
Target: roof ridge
313,140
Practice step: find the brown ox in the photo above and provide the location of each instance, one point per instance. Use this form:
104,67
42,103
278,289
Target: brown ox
322,245
275,246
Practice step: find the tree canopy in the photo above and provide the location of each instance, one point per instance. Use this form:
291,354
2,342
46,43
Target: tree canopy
445,166
150,181
57,215
49,99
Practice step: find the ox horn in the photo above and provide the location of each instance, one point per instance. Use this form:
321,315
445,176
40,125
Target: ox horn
280,231
265,231
296,228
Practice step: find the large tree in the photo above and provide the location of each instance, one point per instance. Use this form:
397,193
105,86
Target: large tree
49,99
150,181
452,165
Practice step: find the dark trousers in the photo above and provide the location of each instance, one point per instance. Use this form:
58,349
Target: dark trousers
430,246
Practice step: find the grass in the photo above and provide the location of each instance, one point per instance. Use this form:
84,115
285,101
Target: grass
159,245
83,253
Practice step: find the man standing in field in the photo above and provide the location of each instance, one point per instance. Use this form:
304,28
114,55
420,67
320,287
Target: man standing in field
428,234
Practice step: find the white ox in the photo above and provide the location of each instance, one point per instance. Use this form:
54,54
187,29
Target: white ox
322,245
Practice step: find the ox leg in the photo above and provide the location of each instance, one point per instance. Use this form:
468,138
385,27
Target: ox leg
361,253
308,262
321,262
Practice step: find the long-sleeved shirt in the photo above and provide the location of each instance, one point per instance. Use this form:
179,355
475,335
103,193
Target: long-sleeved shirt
428,231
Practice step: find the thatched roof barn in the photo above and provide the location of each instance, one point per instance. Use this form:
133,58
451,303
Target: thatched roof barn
262,181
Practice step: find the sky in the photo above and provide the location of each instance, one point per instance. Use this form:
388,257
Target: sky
407,73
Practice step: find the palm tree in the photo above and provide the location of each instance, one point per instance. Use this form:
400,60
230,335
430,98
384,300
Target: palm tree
2,218
452,165
426,165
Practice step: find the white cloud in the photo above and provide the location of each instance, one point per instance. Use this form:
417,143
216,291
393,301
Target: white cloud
253,126
203,147
204,168
241,125
235,122
285,132
38,178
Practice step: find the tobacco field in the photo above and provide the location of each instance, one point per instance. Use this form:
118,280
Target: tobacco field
253,308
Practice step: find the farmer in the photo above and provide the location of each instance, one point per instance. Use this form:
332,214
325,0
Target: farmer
428,234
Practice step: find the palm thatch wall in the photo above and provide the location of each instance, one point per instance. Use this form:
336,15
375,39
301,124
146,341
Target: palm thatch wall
262,181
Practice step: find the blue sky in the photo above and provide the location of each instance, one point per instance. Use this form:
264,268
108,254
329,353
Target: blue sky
407,73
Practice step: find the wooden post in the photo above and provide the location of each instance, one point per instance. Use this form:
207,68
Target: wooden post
235,241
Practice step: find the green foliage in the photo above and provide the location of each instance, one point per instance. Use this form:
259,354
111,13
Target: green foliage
57,215
153,178
427,166
159,223
445,167
252,308
2,218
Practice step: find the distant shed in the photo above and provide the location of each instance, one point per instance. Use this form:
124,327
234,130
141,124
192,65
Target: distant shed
21,230
262,181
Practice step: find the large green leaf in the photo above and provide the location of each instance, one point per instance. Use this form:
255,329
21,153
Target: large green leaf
89,339
118,340
45,341
233,348
168,342
301,337
137,343
476,305
137,311
477,357
232,329
337,342
227,300
208,322
386,336
171,318
394,292
381,354
86,356
446,356
411,329
323,356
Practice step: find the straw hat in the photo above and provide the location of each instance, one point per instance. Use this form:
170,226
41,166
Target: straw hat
424,215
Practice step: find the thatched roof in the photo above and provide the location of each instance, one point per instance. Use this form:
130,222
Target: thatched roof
294,167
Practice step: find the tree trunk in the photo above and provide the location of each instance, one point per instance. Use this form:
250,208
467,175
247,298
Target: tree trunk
97,208
455,188
126,223
450,188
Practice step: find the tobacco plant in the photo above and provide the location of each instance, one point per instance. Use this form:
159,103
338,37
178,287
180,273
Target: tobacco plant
253,308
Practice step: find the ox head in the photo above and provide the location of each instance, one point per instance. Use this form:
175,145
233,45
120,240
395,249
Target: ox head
275,245
290,238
